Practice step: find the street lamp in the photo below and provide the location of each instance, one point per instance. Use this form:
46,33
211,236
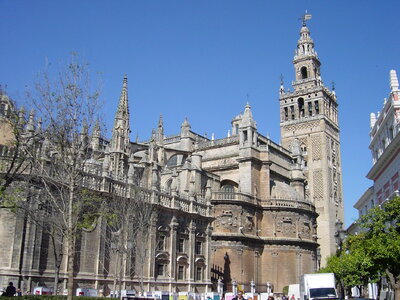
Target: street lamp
340,234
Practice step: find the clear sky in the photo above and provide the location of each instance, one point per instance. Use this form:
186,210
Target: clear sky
204,59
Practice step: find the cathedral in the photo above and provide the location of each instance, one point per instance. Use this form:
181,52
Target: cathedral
238,211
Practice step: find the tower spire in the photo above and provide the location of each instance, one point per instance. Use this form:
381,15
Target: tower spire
120,133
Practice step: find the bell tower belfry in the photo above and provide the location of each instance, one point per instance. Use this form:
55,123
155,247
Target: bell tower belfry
309,113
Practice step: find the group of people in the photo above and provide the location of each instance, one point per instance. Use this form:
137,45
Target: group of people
11,291
239,296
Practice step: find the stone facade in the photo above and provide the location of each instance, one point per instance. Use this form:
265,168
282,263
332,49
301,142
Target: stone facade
241,209
309,114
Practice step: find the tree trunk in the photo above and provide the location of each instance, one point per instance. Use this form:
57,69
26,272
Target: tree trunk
71,241
56,276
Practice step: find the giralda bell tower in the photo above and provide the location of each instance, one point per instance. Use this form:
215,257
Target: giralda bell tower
309,113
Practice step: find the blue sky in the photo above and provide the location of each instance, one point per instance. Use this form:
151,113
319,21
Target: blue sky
204,59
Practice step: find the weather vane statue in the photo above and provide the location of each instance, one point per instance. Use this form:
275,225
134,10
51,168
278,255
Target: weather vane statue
305,18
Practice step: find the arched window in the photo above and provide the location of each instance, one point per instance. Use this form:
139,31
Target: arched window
300,103
304,73
228,189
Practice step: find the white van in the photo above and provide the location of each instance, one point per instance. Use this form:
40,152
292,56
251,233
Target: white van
40,290
124,293
86,292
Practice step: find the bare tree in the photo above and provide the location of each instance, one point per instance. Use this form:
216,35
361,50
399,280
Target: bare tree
129,223
68,108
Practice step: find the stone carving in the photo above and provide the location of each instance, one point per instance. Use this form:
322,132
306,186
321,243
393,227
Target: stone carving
226,219
286,226
249,222
304,127
306,229
316,147
318,184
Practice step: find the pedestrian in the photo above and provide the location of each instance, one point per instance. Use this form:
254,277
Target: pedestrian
239,296
293,297
19,292
270,297
10,290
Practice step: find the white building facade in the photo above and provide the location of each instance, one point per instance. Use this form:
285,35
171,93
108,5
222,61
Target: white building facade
385,150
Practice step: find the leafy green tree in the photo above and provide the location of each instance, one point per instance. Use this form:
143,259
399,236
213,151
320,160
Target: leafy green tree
373,252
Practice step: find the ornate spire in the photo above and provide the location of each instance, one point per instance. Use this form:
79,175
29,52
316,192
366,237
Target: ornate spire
123,109
305,44
30,127
120,133
160,131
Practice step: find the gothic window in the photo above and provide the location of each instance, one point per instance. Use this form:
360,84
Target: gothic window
181,272
228,191
292,111
181,245
161,243
286,113
173,161
245,137
199,273
310,108
198,247
160,269
303,71
316,105
300,103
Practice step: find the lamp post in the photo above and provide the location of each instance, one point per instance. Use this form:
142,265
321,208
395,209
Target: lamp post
340,235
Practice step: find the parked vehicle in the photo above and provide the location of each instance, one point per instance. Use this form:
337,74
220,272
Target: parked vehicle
294,291
124,294
319,285
86,292
40,290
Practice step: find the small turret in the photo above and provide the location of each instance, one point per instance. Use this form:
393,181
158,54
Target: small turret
185,128
247,129
30,126
95,141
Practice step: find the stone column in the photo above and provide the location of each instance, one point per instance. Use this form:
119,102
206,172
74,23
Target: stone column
264,181
172,252
151,249
191,253
207,255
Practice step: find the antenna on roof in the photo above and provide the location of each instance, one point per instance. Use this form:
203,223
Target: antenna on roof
305,18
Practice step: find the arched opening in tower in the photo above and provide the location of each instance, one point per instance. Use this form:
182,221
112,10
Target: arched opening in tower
304,74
